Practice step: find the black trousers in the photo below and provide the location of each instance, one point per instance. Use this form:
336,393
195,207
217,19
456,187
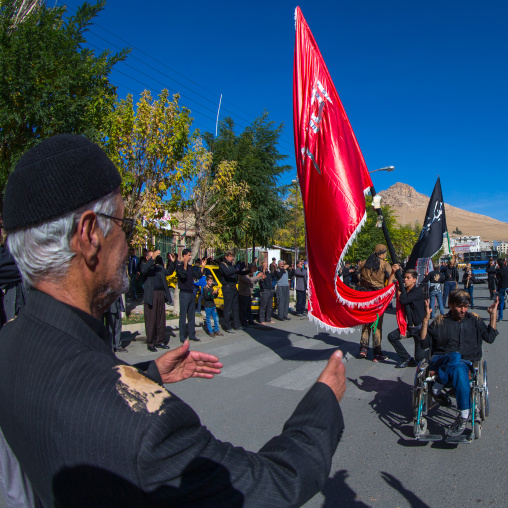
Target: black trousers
231,306
300,302
155,319
395,341
265,306
187,310
245,309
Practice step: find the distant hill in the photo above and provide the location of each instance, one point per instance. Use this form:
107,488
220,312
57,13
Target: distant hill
410,206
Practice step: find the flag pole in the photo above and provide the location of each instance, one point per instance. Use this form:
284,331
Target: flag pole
398,273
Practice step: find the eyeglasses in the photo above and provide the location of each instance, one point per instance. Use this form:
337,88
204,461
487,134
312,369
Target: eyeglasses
128,225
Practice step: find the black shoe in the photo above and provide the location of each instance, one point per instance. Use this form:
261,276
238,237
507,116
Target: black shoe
241,328
252,322
195,339
152,349
162,346
443,400
287,319
457,427
412,362
120,350
230,331
403,364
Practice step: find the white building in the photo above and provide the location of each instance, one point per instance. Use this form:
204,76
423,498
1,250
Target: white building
502,248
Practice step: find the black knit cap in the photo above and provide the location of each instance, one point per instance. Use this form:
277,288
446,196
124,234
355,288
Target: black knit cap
59,175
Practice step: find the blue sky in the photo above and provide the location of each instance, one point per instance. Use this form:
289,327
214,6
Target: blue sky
423,83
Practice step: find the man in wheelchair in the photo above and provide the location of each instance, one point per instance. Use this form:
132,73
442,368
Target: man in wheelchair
455,340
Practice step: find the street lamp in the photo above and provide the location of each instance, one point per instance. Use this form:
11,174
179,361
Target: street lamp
386,168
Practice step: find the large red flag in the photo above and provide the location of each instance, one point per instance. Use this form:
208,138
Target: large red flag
333,180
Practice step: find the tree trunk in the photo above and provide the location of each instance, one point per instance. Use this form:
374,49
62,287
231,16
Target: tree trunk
176,301
254,248
196,244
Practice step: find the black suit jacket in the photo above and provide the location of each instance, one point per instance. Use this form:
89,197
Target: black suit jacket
90,430
151,271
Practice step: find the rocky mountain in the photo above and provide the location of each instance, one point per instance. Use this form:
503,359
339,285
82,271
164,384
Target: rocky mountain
410,206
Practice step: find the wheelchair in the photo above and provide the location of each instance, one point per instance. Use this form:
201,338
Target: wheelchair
423,401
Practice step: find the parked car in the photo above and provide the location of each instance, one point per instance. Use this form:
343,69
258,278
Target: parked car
219,299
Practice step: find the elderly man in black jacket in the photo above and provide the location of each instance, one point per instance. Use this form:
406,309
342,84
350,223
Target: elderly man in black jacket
62,389
456,341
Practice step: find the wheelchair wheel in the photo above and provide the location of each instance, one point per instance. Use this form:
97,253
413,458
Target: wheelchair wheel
477,430
485,395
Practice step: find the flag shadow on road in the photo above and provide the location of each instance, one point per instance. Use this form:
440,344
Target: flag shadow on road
280,343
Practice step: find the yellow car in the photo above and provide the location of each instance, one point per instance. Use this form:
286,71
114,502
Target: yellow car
213,270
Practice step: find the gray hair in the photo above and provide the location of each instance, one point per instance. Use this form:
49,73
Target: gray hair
43,251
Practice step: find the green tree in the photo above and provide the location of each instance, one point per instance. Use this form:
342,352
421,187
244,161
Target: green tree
370,235
158,158
215,195
50,83
259,166
285,236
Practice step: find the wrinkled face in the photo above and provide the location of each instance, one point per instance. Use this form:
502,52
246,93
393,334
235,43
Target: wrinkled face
281,264
112,275
458,310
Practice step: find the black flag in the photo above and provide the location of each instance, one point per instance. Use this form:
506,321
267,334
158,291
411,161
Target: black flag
431,237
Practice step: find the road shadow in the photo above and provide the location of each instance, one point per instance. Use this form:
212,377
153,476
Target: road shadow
413,500
280,343
393,404
339,494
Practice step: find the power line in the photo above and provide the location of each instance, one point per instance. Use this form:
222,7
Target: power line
283,138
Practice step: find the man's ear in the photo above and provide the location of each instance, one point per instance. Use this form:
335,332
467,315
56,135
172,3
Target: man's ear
86,239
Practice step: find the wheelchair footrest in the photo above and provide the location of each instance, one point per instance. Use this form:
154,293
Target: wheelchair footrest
458,439
429,437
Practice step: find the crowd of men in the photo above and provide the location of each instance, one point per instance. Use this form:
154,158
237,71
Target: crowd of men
237,280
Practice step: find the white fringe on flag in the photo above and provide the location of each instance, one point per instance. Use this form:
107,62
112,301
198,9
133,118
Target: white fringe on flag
332,329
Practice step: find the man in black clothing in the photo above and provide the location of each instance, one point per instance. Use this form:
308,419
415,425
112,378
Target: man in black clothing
266,295
502,285
156,293
416,301
456,341
435,280
230,292
185,275
451,275
491,274
347,273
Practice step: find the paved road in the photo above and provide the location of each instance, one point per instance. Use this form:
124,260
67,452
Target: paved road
377,464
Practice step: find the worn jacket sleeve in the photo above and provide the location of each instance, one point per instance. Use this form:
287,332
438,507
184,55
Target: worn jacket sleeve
177,451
